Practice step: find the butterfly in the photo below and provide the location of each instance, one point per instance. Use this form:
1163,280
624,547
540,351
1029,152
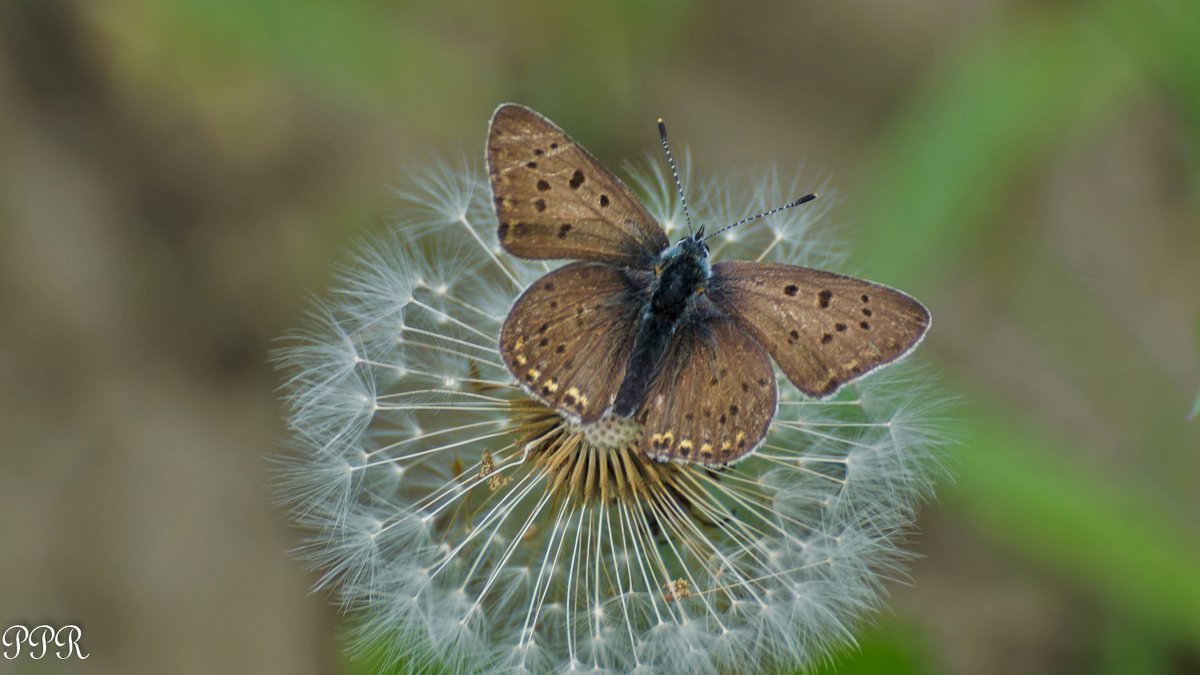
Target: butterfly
638,328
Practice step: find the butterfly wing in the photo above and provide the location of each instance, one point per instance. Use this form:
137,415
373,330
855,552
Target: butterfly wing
568,337
713,397
555,201
823,329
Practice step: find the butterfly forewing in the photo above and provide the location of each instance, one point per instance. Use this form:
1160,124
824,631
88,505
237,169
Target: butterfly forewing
713,398
823,329
555,201
568,337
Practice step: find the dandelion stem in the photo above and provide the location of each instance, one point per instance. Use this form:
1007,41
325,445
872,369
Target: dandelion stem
491,254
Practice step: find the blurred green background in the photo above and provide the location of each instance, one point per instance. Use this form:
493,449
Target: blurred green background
177,176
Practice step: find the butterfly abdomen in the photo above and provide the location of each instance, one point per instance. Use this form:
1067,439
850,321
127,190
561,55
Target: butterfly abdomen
652,341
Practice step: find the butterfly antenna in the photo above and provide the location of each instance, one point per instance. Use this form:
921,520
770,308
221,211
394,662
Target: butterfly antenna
806,198
662,135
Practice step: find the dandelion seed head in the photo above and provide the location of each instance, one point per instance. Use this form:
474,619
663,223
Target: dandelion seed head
468,528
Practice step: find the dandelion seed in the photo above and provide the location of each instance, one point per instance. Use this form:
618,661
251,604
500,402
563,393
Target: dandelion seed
471,529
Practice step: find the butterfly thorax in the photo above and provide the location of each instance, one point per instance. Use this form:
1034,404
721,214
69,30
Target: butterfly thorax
681,274
680,277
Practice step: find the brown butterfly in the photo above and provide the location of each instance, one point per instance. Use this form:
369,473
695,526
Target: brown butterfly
638,328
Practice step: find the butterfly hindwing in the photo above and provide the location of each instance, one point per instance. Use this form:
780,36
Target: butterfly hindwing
555,201
568,337
713,397
823,329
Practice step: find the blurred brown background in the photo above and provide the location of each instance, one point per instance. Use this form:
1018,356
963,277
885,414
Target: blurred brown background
176,177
